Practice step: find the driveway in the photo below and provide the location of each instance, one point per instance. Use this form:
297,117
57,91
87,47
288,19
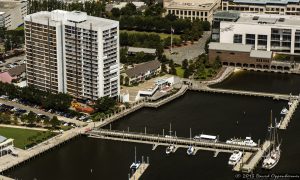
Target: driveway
189,51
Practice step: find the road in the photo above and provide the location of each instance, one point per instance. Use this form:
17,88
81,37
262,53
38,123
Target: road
38,111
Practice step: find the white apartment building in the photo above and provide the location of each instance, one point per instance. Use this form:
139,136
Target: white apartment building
284,7
12,13
73,53
192,9
278,33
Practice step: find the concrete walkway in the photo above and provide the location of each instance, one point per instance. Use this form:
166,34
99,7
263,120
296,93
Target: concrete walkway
23,127
5,178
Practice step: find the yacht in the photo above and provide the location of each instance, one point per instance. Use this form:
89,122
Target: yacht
284,111
190,150
170,149
235,157
290,103
246,142
273,155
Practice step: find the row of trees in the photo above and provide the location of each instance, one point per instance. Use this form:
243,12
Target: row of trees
134,59
93,8
31,95
12,38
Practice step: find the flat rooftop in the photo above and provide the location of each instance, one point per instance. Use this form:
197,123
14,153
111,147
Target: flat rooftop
7,5
69,18
189,4
230,47
265,2
234,15
269,19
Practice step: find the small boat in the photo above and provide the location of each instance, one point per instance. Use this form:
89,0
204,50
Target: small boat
235,157
284,111
190,150
278,124
290,103
273,156
170,149
246,142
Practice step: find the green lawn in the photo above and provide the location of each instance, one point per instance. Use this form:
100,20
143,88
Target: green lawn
179,71
25,137
162,35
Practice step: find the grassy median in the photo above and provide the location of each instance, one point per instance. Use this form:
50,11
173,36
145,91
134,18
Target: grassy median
25,138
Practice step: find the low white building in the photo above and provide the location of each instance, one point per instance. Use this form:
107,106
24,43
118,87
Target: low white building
12,13
6,145
192,9
277,33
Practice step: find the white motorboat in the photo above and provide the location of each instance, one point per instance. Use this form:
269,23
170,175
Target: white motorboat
284,111
190,150
273,155
135,165
170,149
290,103
246,142
235,157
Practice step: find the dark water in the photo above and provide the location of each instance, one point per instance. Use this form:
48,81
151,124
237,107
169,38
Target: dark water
263,81
215,114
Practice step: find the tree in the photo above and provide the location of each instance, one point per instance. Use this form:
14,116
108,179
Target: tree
172,68
115,12
127,81
104,104
217,64
186,73
54,122
31,118
185,64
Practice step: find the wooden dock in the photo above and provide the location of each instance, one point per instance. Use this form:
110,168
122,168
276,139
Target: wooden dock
256,158
289,115
5,178
204,88
244,160
139,172
156,140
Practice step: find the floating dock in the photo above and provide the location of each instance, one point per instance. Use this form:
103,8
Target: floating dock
289,115
139,172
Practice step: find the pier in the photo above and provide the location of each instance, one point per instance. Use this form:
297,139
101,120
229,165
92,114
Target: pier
166,141
5,178
204,88
252,155
140,171
288,116
255,159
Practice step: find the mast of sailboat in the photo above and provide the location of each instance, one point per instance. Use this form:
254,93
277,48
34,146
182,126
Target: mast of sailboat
190,135
170,129
134,154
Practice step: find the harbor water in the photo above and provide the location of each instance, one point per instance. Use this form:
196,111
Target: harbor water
225,116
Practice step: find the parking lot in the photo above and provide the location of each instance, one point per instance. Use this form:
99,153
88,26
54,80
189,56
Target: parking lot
19,109
11,62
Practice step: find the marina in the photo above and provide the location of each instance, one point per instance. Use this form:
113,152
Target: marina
183,131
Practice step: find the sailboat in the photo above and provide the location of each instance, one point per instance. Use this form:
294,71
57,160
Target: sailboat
171,148
191,148
273,156
135,165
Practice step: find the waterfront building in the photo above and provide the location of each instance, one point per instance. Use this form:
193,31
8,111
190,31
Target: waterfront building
141,72
12,13
6,145
192,9
73,53
218,17
284,7
269,32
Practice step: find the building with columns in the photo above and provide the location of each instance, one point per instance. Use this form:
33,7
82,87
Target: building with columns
192,9
269,32
73,53
284,7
